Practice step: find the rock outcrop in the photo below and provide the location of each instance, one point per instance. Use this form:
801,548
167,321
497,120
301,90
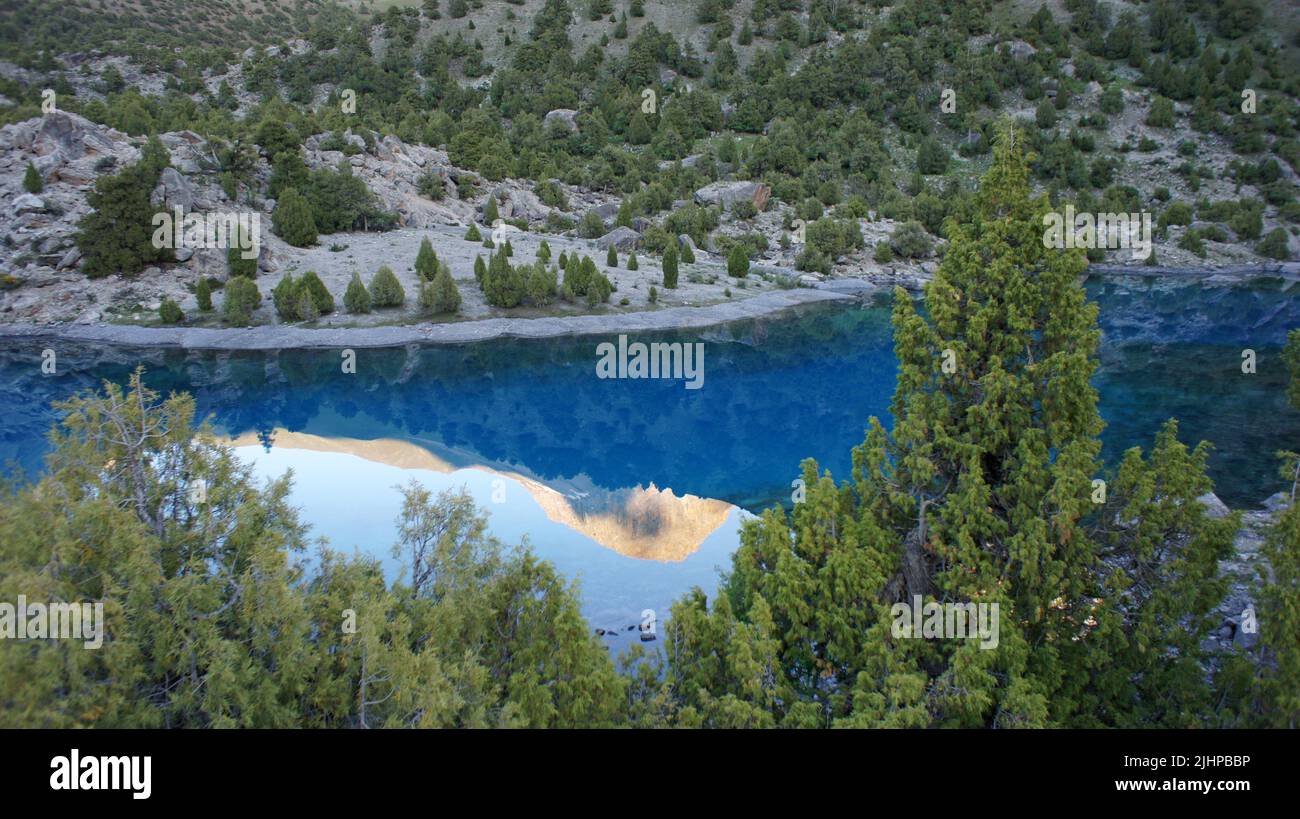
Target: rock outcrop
622,238
728,193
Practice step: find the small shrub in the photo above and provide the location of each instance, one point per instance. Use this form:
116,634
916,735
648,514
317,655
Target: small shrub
385,289
170,312
241,299
1274,245
911,241
203,294
737,262
356,299
670,267
320,295
32,181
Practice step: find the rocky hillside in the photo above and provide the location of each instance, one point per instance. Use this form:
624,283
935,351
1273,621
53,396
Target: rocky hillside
454,106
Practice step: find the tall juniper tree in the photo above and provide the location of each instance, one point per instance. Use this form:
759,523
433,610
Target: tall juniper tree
982,492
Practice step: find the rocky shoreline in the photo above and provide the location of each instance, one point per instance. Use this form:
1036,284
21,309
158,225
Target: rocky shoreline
1285,270
279,337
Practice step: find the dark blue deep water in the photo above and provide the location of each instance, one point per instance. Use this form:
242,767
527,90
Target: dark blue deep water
775,391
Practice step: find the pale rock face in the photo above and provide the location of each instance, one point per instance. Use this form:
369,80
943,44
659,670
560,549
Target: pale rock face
1214,507
567,117
70,259
607,212
622,238
27,203
727,193
515,201
173,190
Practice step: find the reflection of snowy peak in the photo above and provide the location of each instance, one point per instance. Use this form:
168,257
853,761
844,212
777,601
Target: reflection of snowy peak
642,522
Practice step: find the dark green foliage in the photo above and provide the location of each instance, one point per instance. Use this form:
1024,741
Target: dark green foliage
426,261
306,307
992,453
430,185
356,299
203,294
236,264
320,296
385,289
911,241
472,235
542,284
592,226
1161,114
1045,115
170,312
503,285
737,262
474,636
284,296
341,201
611,257
931,157
32,181
670,267
117,235
444,296
1274,245
293,220
288,171
598,285
240,299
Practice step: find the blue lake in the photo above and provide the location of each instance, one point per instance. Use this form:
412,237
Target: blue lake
636,487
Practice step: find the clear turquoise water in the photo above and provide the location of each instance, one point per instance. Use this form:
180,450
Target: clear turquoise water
775,391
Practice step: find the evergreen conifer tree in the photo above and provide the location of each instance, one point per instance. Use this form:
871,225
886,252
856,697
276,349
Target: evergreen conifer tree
356,299
117,236
670,266
426,261
240,300
985,491
203,294
322,301
32,181
446,297
738,261
385,289
293,220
